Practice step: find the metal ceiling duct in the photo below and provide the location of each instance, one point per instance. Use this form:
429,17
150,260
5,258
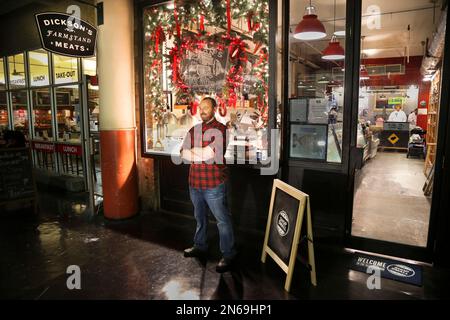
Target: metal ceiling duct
435,48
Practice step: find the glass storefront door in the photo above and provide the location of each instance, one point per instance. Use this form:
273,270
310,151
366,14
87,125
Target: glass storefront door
395,132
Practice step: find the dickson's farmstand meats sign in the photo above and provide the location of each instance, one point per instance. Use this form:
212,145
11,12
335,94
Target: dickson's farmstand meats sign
65,34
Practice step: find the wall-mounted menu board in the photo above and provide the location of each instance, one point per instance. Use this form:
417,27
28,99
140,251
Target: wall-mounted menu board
16,175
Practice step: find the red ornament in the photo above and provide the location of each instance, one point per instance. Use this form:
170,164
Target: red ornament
194,106
202,23
222,109
175,17
249,21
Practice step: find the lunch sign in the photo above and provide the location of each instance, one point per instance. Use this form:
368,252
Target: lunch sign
66,35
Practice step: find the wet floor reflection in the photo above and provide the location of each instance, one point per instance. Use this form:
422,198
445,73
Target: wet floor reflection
142,258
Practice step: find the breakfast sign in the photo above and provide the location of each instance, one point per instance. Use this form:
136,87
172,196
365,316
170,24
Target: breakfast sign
66,35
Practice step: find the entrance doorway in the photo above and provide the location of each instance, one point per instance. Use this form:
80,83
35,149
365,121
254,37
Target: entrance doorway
397,123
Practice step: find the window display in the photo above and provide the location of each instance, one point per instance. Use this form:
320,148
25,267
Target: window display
68,113
65,69
38,64
3,112
206,48
16,71
2,75
20,112
42,115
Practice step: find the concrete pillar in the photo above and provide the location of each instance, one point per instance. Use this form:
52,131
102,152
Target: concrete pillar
115,59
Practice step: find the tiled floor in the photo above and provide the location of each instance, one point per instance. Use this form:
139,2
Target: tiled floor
389,203
141,258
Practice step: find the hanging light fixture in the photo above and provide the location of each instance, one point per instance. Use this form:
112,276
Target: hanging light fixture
301,84
334,51
323,80
363,74
339,33
310,28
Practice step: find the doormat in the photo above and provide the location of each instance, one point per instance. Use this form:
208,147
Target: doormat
390,269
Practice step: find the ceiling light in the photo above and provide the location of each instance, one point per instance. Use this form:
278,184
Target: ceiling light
310,28
323,80
301,84
363,74
334,51
340,33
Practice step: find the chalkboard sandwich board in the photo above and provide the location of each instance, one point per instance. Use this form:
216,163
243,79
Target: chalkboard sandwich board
284,225
16,176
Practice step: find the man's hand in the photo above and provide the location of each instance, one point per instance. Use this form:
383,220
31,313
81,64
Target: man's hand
205,154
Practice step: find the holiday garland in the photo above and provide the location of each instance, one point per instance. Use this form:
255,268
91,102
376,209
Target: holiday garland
163,23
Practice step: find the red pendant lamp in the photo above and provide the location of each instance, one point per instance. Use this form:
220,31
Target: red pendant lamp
310,28
334,51
363,74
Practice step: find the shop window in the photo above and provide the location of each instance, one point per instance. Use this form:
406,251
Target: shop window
38,66
68,113
16,67
2,75
195,49
20,112
3,112
65,69
42,115
90,66
316,80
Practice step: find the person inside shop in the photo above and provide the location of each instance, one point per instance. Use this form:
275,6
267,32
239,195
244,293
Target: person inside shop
333,115
412,119
398,115
204,148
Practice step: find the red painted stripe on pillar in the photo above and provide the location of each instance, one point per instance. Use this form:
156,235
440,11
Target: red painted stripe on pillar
119,173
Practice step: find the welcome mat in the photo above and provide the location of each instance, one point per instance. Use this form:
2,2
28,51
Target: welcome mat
390,269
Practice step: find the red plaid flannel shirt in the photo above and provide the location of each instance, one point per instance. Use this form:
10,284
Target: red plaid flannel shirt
210,174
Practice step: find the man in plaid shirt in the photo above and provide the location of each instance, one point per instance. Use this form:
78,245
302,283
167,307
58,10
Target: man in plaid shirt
204,147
